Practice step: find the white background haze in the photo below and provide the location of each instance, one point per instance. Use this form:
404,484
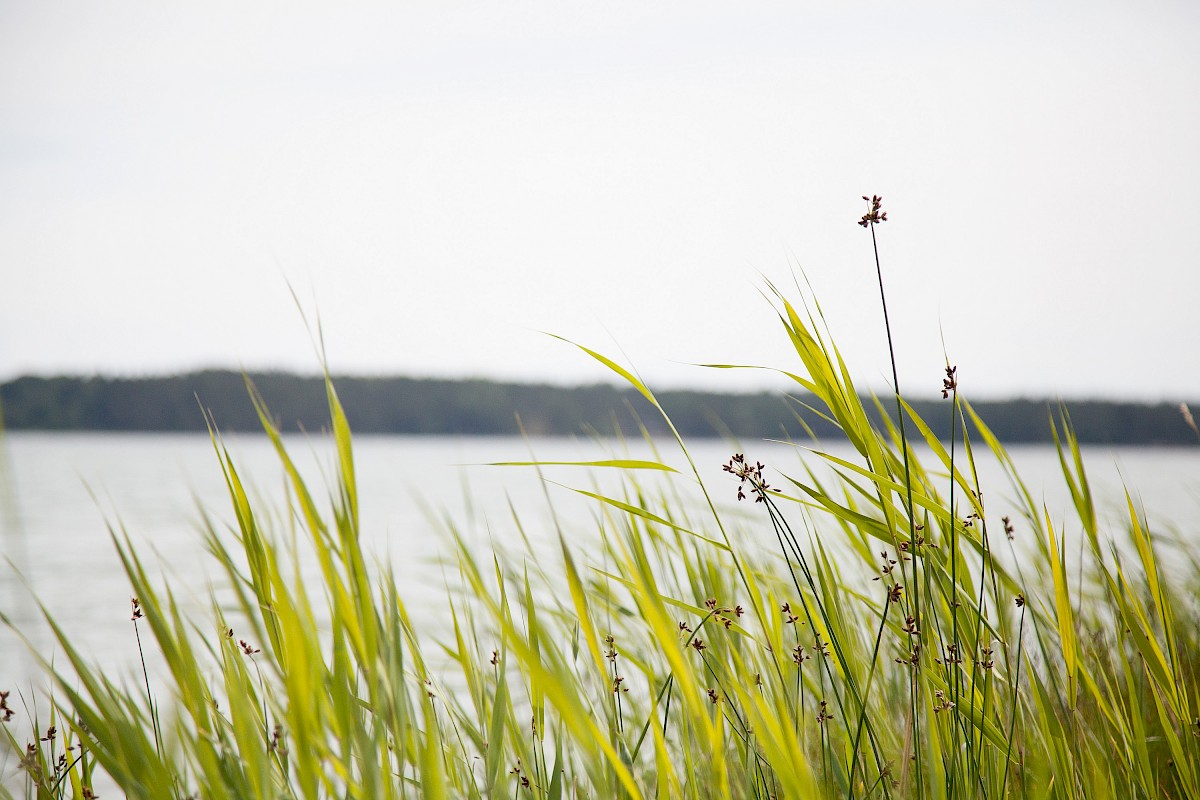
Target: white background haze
442,181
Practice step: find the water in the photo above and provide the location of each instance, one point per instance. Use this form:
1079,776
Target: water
62,492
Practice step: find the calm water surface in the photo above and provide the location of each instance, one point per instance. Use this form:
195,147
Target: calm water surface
61,494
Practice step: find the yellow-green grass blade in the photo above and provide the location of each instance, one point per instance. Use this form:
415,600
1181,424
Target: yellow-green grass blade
651,517
625,374
1064,612
615,463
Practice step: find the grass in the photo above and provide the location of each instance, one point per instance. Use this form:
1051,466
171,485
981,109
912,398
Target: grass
898,641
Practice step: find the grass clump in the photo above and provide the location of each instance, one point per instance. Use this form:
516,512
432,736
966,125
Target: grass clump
895,640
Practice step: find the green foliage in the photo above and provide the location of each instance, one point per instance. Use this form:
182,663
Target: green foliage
893,642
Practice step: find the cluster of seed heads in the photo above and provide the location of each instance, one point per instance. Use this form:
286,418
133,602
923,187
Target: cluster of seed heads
516,772
29,762
245,646
722,614
874,214
747,473
915,545
896,590
799,655
950,382
952,656
821,647
276,743
986,659
611,655
914,657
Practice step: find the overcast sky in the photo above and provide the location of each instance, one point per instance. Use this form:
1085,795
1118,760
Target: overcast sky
441,182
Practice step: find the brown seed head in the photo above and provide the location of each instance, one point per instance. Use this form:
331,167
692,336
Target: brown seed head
747,473
950,382
874,214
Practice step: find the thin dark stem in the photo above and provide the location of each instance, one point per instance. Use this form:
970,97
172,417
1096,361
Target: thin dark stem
956,673
1012,716
617,709
669,688
66,773
784,532
744,733
782,527
149,695
912,531
862,716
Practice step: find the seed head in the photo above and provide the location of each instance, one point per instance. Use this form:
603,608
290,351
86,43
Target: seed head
873,214
950,382
943,704
747,473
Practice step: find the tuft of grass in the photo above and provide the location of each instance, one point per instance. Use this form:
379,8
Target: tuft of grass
893,638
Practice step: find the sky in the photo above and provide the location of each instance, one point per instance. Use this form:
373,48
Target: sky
441,185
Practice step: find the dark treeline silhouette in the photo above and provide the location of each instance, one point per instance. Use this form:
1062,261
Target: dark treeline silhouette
428,406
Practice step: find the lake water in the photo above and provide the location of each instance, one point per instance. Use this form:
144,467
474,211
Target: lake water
59,493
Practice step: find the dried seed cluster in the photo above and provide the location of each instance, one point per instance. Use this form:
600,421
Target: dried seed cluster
748,473
874,214
950,382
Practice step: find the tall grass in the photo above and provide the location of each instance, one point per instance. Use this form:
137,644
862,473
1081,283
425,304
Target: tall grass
897,640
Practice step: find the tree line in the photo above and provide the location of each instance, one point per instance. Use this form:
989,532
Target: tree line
401,405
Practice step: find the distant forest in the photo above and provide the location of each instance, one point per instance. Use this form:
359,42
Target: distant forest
482,407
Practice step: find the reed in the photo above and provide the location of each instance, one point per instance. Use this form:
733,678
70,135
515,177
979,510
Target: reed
896,640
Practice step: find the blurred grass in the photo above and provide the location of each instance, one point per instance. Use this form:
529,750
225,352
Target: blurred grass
895,643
